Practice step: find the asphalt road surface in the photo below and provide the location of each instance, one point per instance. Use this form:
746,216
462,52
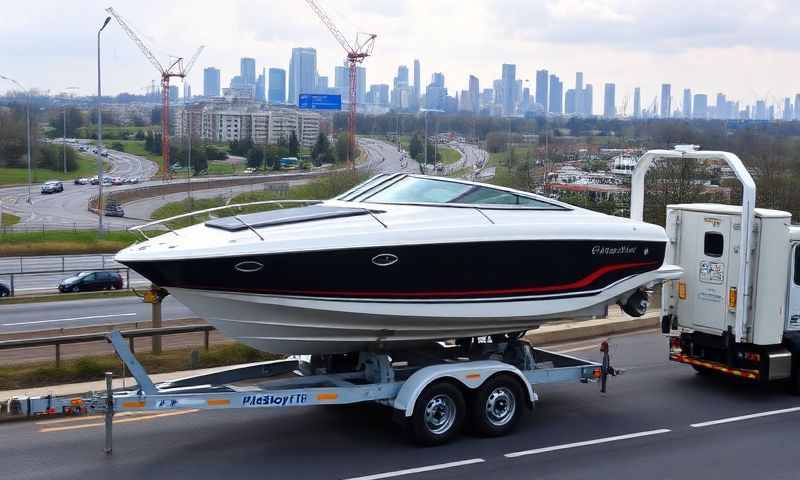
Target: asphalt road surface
650,425
384,157
29,279
81,313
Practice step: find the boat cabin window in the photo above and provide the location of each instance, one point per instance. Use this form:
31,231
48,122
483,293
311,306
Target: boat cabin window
797,265
428,190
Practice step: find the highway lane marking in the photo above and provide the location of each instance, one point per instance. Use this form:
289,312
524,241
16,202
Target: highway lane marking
84,418
596,441
745,417
124,420
112,315
411,471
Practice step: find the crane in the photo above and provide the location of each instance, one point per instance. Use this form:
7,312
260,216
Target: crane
175,69
356,53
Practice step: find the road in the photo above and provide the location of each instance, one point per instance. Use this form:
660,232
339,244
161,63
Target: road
383,157
70,313
648,425
60,267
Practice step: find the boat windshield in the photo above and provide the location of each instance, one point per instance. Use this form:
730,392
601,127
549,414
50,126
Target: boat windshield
427,190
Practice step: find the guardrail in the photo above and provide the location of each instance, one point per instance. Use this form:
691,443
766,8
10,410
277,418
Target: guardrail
101,336
62,227
126,284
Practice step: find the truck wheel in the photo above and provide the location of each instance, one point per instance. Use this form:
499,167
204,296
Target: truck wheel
794,386
438,414
702,370
497,406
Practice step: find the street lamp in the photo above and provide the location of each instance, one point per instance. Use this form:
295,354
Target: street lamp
28,121
64,137
100,210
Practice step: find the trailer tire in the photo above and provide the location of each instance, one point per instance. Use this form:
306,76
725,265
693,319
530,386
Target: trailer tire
438,414
497,406
702,370
794,386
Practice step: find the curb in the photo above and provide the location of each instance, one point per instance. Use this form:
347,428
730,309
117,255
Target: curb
590,329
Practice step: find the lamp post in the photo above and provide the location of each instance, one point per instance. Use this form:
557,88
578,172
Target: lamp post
64,138
28,122
100,211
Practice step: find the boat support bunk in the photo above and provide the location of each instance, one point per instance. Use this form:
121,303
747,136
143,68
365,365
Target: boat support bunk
426,387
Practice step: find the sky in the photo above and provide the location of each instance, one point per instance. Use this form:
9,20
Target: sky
746,49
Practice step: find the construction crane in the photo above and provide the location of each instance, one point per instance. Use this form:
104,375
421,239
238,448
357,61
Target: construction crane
175,69
356,53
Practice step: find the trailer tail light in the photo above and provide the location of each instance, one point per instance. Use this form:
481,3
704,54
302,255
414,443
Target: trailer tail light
675,345
732,298
682,290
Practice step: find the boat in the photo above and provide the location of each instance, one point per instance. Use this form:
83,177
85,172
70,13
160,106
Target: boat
401,258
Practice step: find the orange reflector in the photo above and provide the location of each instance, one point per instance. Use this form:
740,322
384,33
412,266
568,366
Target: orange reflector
133,405
597,373
682,290
76,401
473,376
218,402
327,396
732,298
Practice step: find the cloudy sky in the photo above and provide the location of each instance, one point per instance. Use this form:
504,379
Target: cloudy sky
747,49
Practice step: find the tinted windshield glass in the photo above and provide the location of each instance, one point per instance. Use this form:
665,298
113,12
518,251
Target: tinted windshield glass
426,190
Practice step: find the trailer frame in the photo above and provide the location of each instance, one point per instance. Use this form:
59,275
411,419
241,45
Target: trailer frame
295,382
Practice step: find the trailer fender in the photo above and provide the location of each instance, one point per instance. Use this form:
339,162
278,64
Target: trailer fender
471,375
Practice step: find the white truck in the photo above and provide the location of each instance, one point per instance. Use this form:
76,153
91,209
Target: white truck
736,309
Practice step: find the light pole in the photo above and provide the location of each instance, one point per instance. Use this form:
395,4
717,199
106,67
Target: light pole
64,138
28,122
100,211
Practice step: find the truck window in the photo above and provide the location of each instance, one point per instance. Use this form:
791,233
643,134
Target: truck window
797,265
713,244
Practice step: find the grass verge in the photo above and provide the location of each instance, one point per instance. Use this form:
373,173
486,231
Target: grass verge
87,166
448,155
63,242
8,219
86,369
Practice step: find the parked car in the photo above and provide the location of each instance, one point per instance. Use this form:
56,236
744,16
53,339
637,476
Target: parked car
132,180
90,282
249,170
118,181
53,186
4,290
82,181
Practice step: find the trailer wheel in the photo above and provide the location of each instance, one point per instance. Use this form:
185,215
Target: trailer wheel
794,386
497,406
438,414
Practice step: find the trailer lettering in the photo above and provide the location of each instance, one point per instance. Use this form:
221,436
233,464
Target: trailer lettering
274,400
620,250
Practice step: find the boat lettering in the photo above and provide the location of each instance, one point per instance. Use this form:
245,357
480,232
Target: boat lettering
621,250
276,400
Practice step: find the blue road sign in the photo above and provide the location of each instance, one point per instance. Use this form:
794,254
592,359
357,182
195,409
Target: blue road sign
320,102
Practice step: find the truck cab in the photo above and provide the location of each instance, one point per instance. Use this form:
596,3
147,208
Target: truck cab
699,311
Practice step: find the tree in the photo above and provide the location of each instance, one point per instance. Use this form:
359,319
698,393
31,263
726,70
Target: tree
342,148
294,145
139,135
273,154
75,120
415,147
155,116
321,153
255,157
118,146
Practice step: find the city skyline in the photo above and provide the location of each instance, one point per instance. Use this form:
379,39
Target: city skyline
576,40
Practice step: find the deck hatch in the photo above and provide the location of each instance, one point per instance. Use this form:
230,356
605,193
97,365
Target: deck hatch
283,217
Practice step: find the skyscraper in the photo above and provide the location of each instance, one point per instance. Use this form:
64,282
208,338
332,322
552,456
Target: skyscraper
509,86
609,101
556,97
261,86
247,70
211,82
687,103
570,108
475,93
302,73
788,114
436,93
700,107
277,85
541,89
579,104
417,85
587,100
173,93
797,107
721,107
666,100
637,102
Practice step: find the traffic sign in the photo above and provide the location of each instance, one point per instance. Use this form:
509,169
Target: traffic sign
314,101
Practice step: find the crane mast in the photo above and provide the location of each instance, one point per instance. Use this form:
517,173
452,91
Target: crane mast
175,69
364,44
